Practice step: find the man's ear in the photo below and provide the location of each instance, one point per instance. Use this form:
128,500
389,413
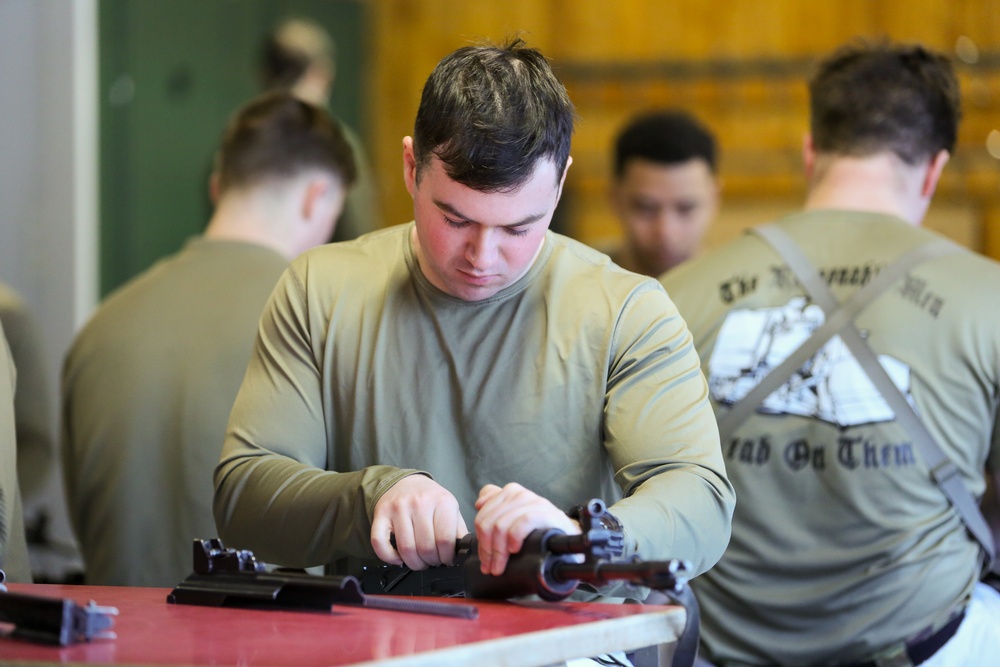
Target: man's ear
933,174
314,198
562,179
808,156
214,190
409,166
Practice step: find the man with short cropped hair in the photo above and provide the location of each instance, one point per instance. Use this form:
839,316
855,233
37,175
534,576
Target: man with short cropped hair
665,189
471,369
853,360
299,55
149,382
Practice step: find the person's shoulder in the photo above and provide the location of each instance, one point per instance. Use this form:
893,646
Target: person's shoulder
9,299
380,243
593,274
964,270
135,301
724,257
577,256
381,251
13,310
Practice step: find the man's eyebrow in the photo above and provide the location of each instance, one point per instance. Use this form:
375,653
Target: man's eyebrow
455,213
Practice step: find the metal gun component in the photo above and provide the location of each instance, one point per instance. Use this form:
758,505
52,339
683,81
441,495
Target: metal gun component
227,577
55,620
551,565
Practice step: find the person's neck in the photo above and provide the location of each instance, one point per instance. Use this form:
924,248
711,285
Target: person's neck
248,220
876,184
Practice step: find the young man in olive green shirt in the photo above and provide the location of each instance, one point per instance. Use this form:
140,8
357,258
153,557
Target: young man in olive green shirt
845,551
471,370
149,381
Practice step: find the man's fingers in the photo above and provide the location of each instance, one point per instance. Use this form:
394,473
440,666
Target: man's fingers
448,527
487,493
381,541
506,517
424,519
406,545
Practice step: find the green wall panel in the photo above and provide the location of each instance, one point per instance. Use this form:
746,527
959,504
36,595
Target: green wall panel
171,73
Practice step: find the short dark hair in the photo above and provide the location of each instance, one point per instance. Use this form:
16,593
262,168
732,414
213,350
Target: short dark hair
489,113
277,136
288,51
668,137
871,97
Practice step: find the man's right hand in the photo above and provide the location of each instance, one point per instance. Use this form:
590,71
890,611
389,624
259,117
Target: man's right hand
424,519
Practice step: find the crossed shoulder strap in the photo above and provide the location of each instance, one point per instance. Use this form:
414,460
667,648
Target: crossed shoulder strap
840,320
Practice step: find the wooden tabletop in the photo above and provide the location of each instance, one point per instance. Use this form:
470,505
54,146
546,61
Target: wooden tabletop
152,632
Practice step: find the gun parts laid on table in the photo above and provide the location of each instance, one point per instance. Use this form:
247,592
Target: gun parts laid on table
54,620
229,577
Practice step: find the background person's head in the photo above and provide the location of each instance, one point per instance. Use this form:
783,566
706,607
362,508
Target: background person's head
665,189
870,98
891,102
285,154
299,55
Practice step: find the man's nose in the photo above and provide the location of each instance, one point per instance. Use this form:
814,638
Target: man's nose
481,248
666,224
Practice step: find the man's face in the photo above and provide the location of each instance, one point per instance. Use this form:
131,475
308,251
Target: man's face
472,244
666,210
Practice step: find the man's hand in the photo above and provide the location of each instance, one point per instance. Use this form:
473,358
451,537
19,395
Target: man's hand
424,519
506,516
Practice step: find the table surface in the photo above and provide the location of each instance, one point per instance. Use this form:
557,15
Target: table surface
151,631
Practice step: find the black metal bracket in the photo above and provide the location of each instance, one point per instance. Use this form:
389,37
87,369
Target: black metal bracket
226,577
55,620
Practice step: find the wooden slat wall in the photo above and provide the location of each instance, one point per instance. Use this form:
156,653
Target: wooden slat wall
739,65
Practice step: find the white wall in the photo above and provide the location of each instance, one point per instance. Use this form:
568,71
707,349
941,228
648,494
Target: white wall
49,166
48,160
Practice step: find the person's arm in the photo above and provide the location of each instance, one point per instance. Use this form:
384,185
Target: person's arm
36,449
13,545
991,505
273,492
662,436
991,497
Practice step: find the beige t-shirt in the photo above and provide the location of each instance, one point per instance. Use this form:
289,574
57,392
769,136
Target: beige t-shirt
147,388
842,543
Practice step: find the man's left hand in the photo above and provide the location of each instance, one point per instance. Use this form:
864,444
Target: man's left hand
506,516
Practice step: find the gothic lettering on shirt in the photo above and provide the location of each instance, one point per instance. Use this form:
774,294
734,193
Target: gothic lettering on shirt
915,291
858,275
855,276
737,287
856,452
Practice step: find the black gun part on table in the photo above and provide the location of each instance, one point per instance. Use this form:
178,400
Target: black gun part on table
48,620
235,578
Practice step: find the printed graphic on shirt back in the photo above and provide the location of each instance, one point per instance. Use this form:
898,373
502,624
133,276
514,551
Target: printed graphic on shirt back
830,386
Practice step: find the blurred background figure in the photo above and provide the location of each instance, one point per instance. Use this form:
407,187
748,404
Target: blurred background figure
665,190
149,381
33,399
13,549
300,56
52,556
